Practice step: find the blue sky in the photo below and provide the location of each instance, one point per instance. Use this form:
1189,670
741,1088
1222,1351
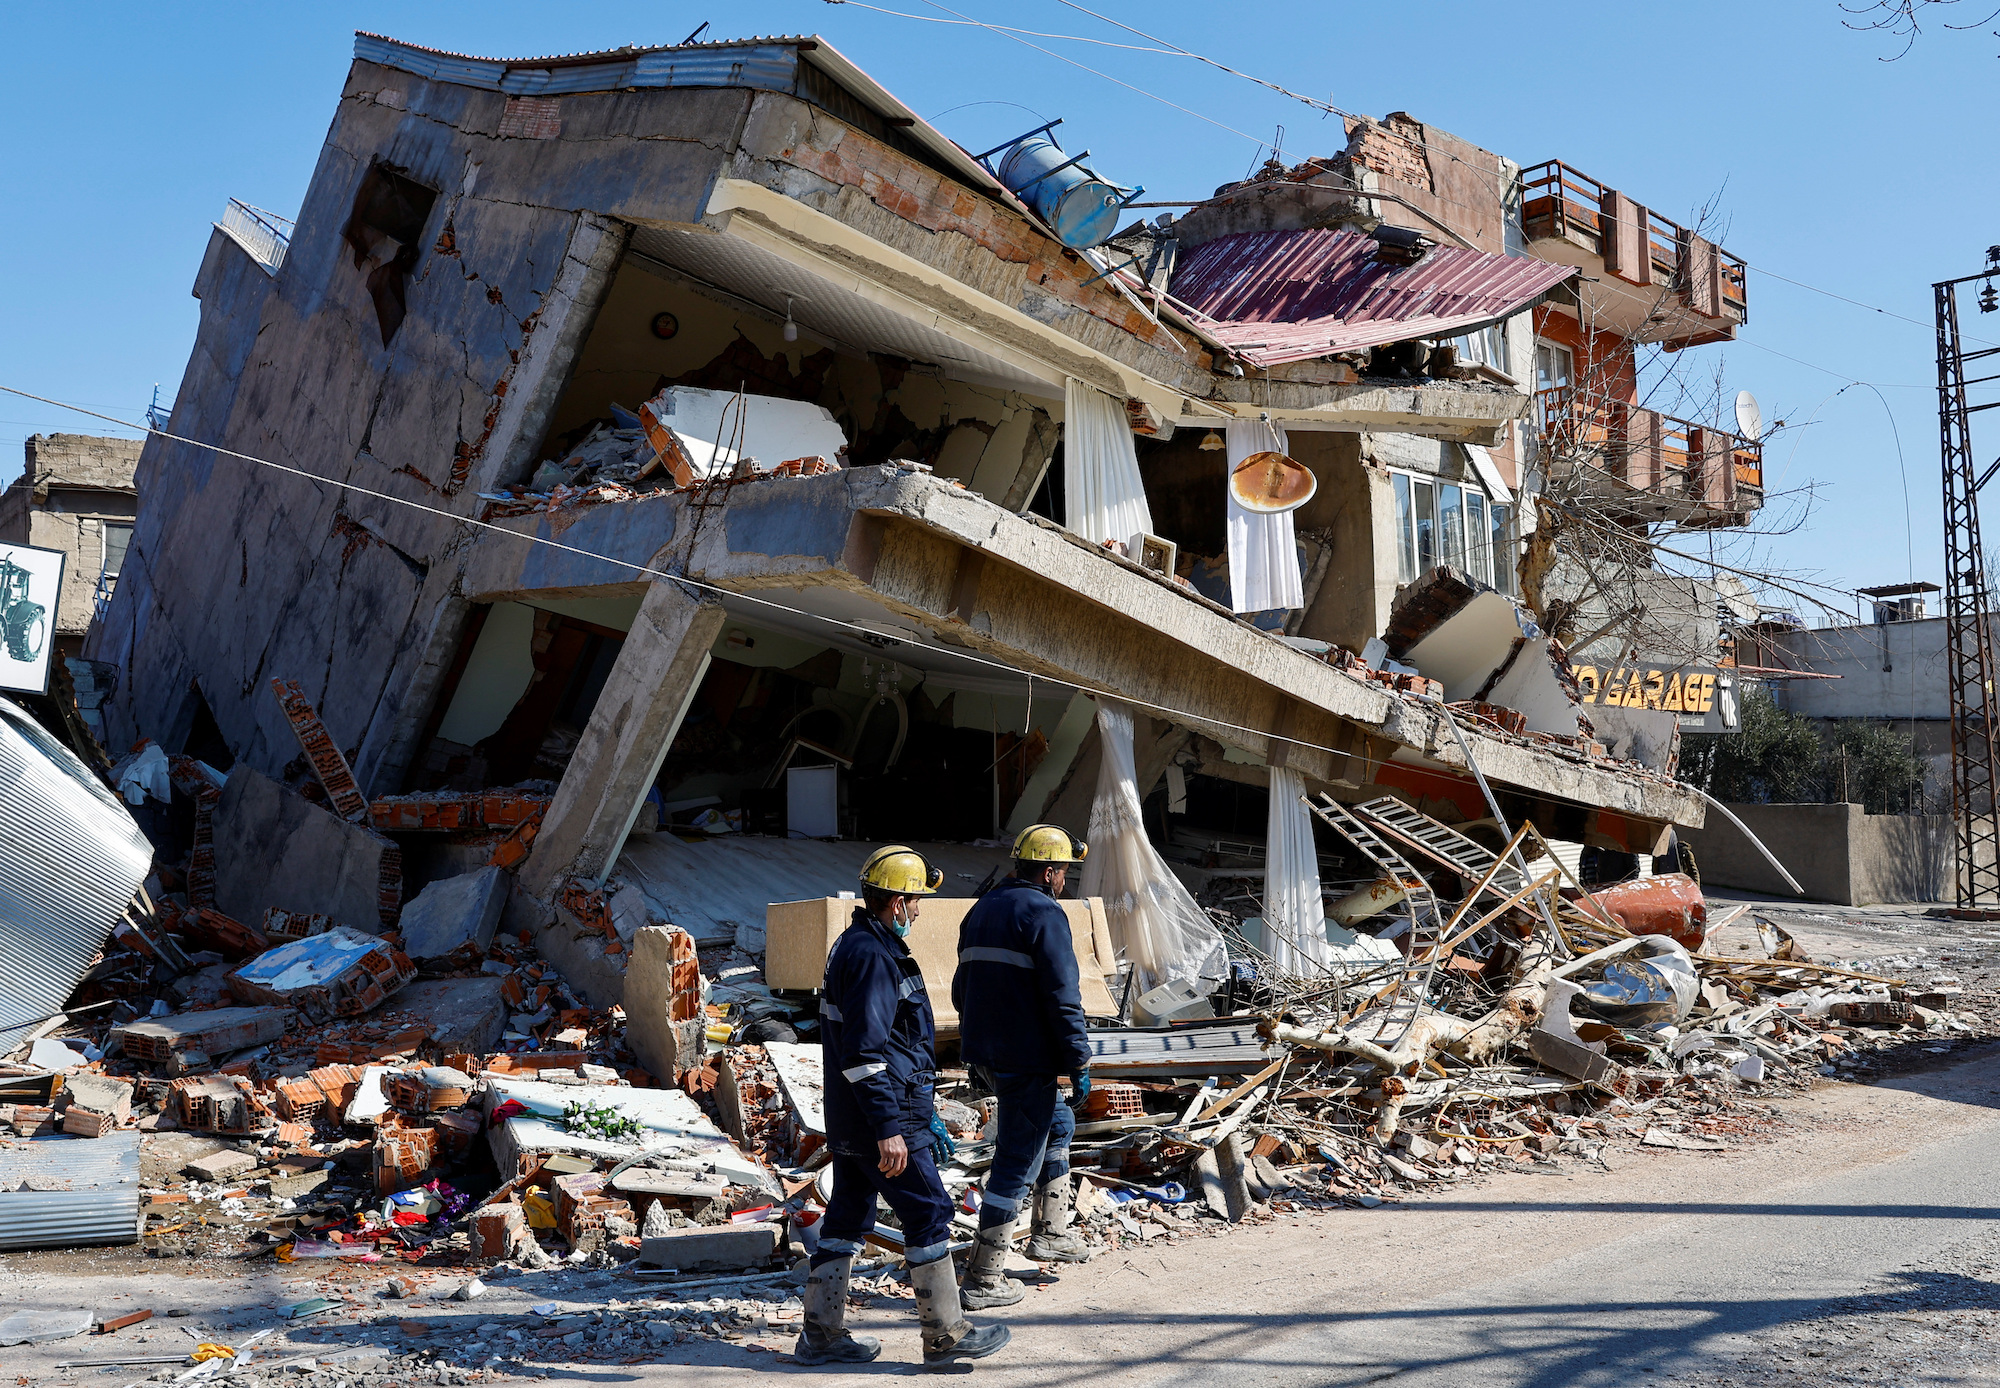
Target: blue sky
128,126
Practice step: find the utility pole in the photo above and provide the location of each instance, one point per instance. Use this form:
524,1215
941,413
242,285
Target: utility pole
1969,646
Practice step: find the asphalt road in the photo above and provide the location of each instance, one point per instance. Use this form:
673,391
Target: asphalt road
1855,1246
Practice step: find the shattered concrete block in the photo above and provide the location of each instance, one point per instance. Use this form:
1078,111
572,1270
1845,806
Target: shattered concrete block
39,1327
711,1249
100,1094
221,1104
495,1228
220,1166
453,913
663,1021
82,1122
157,1039
275,848
466,1015
342,973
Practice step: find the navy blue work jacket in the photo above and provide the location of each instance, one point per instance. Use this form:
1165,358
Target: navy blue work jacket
1019,1008
879,1040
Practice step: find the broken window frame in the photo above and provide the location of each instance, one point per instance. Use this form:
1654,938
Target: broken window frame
1485,346
1481,542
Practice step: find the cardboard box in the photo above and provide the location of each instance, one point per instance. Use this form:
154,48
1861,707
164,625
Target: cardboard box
800,934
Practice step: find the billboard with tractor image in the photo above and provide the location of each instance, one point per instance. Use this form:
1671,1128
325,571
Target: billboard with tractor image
30,586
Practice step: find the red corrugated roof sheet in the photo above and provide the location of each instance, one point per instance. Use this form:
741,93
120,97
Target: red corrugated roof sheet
1280,296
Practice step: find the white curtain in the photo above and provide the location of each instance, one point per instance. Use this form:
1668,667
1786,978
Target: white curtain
1263,555
1107,501
1294,916
1154,921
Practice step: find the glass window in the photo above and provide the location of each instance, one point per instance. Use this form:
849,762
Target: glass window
1426,513
1451,527
1488,346
1406,545
1478,548
1552,366
117,538
1501,521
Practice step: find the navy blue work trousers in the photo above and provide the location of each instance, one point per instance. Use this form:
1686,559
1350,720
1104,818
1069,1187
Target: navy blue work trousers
917,1196
1031,1144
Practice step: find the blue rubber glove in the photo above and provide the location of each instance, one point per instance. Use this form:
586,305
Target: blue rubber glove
942,1147
1079,1086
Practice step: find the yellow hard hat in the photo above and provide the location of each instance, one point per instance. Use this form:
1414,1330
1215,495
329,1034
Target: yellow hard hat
894,868
1045,843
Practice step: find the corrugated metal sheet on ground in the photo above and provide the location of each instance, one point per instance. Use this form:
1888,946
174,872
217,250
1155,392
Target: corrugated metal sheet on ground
1284,296
1219,1048
56,1192
707,888
70,859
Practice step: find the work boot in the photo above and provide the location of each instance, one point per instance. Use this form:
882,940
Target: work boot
1052,1239
948,1335
986,1285
825,1339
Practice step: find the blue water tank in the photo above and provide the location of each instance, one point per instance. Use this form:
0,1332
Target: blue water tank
1082,207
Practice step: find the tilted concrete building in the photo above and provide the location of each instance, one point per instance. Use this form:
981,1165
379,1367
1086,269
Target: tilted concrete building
498,262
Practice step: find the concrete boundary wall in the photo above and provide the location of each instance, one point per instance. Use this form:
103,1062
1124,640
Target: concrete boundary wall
1838,853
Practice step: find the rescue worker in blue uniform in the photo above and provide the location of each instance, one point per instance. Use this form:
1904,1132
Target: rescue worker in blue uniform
882,1124
1020,1017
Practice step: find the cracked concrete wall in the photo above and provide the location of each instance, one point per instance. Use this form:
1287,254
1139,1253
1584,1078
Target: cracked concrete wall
242,573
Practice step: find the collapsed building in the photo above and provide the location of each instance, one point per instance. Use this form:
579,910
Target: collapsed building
954,479
638,476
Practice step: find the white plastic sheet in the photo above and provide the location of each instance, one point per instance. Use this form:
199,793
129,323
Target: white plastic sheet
1106,498
1155,924
1294,916
1263,552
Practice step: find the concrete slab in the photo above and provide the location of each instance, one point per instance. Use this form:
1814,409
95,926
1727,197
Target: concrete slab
454,912
663,1024
466,1014
718,1249
276,848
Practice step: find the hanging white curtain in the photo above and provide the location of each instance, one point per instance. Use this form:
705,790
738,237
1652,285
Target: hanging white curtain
1294,916
1263,555
1106,499
1154,921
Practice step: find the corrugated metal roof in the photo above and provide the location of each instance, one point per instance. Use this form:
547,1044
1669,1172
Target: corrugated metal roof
56,1192
70,859
1279,296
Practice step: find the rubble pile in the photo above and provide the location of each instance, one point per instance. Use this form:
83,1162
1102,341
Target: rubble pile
435,1096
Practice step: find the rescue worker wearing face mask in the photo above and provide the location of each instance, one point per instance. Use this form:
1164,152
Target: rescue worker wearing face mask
882,1124
1020,1017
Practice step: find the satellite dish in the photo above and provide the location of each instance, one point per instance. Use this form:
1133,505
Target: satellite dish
1271,482
1749,419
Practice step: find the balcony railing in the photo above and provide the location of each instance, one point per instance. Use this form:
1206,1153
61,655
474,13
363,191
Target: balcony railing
1674,459
1558,201
264,235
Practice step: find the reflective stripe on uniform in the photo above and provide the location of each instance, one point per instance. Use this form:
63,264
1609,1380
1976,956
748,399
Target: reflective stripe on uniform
987,954
862,1072
829,1011
913,984
917,1257
845,1247
998,1202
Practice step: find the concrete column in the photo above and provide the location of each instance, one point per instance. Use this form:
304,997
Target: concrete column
648,693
